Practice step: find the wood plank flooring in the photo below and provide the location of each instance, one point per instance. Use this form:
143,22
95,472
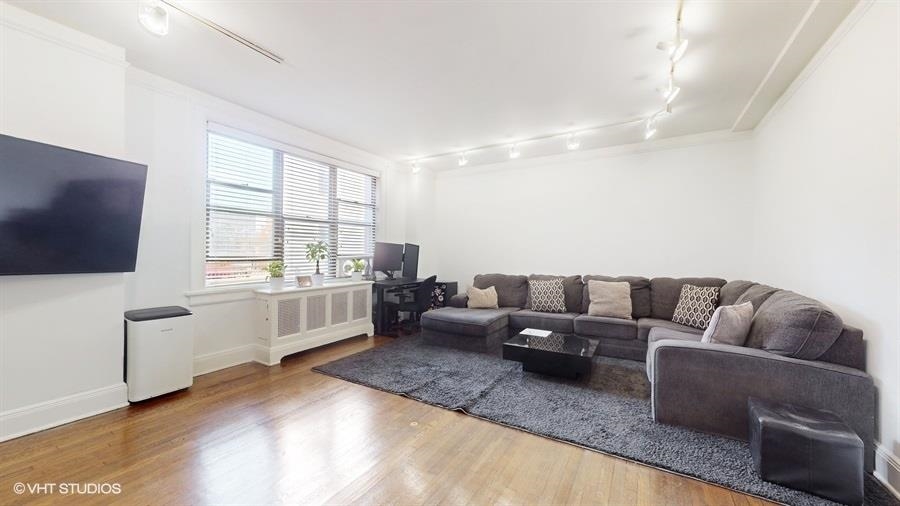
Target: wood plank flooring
262,435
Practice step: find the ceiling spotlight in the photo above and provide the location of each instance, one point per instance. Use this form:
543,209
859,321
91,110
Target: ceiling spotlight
670,91
154,17
572,142
463,161
675,49
650,128
415,167
514,151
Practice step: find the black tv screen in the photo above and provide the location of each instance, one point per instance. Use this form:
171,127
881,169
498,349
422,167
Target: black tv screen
66,212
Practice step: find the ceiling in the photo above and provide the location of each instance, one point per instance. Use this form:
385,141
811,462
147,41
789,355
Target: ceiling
406,79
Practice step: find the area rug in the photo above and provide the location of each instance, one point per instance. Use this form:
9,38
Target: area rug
609,413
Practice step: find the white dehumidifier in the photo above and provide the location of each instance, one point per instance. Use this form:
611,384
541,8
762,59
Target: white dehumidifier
159,351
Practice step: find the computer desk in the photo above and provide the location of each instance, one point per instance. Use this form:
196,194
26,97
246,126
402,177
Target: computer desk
380,286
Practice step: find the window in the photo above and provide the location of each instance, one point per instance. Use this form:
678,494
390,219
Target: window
264,204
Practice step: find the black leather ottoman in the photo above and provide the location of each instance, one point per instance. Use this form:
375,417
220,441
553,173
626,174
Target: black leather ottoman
807,449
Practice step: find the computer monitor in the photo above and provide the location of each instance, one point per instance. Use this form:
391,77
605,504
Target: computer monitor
388,258
410,261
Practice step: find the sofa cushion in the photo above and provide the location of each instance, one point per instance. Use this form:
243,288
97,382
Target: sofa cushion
547,295
849,349
660,333
602,326
645,324
730,291
640,294
573,289
665,292
792,325
467,322
512,290
556,322
757,294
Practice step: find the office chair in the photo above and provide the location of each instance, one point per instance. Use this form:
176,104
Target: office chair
421,300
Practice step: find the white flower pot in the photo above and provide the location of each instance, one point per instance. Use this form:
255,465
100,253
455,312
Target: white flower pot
276,283
356,276
318,279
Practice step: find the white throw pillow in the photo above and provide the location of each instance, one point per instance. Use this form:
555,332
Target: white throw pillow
611,299
729,325
482,299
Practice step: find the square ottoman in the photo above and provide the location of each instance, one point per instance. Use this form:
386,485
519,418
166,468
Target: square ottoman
807,449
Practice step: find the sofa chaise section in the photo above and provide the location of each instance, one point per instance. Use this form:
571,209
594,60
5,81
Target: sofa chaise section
706,387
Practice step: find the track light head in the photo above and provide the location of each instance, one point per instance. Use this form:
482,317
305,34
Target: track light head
463,161
153,17
674,48
416,168
514,151
572,142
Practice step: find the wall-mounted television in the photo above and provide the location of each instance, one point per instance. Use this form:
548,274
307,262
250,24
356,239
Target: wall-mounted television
67,212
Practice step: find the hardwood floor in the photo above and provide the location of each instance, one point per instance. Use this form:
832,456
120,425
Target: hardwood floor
259,435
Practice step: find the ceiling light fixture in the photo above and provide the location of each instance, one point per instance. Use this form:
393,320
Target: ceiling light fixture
670,91
514,151
415,167
154,17
572,142
675,50
463,161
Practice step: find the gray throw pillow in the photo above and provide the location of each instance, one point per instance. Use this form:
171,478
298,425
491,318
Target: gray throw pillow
729,325
547,295
611,299
696,305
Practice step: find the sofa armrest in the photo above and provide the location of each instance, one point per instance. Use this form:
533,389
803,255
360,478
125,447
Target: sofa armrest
459,300
706,386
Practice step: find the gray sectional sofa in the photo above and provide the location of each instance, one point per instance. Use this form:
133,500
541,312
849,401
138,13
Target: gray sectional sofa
798,351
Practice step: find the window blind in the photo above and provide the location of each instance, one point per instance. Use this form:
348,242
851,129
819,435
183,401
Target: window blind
265,204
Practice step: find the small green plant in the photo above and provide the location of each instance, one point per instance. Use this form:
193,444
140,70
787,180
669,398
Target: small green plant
357,265
316,251
275,269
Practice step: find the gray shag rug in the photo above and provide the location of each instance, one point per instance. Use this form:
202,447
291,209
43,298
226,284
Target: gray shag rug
609,413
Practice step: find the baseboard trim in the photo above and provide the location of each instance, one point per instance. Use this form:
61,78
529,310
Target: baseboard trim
887,469
45,415
211,362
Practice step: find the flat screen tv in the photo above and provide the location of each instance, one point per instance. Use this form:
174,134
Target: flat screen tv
67,212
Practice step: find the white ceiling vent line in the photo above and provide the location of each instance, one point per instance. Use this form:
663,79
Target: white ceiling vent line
226,32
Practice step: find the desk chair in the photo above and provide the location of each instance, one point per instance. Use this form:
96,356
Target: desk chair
421,300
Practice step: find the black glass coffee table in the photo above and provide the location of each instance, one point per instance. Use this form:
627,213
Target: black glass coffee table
565,355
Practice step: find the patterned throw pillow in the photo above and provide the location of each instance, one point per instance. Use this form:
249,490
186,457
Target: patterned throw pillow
547,295
696,305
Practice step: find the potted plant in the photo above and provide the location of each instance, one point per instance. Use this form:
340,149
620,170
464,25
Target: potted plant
276,274
316,251
357,266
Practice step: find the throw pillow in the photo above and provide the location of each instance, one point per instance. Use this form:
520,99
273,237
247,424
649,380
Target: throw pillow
610,298
729,325
547,295
696,305
482,298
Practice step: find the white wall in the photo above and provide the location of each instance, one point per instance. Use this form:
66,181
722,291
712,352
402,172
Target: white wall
826,186
661,209
61,345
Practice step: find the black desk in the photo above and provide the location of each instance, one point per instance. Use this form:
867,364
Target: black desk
380,286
